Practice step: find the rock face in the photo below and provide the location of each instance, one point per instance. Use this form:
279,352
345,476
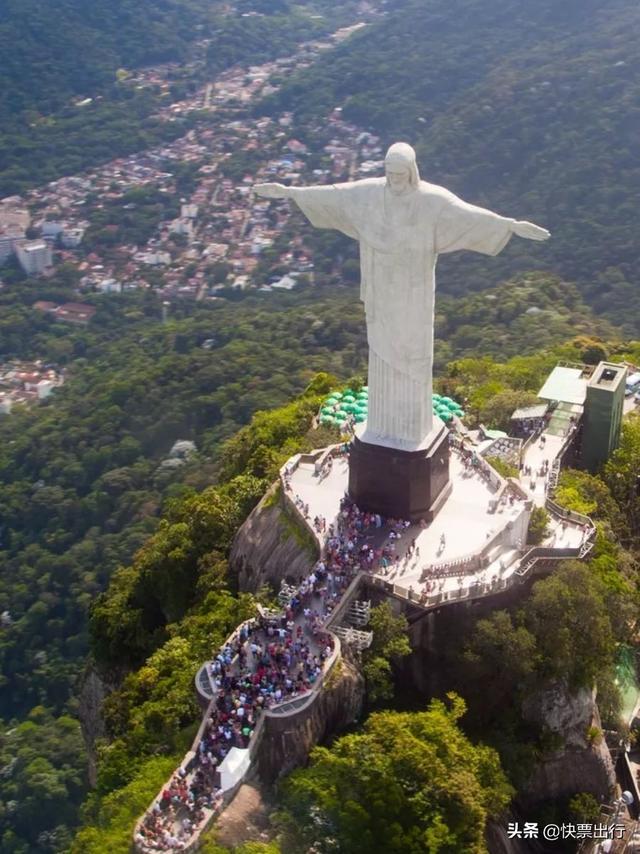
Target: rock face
499,842
288,740
582,762
270,547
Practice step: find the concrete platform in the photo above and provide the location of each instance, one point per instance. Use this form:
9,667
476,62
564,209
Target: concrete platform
465,521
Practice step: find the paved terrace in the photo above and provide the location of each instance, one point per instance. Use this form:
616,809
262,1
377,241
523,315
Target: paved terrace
474,519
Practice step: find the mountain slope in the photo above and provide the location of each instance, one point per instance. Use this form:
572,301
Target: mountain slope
529,109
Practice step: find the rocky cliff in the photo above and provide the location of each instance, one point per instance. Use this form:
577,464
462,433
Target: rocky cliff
581,762
271,546
288,740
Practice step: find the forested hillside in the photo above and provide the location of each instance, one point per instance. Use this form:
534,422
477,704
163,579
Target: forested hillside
52,51
55,53
172,602
531,109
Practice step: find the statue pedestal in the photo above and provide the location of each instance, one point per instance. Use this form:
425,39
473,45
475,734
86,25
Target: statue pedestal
409,485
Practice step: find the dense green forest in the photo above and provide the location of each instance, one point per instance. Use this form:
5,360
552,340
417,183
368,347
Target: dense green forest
56,53
53,51
528,109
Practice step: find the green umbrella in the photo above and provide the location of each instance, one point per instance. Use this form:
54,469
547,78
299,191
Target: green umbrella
361,418
436,396
447,400
338,395
348,398
446,416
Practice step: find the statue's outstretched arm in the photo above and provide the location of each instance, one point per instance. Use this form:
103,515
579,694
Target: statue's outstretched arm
272,191
529,231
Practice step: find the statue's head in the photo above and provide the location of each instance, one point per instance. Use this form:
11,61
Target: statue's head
401,169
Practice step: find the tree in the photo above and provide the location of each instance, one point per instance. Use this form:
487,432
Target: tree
568,614
538,523
501,657
407,783
621,475
390,644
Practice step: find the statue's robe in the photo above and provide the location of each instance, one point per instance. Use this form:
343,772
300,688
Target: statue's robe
400,239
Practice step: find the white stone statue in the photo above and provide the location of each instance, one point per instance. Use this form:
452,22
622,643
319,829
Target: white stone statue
402,224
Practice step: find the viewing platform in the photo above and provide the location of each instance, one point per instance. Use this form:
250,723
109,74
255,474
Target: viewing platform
475,547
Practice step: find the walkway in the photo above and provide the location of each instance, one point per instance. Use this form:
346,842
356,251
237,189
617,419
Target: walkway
538,455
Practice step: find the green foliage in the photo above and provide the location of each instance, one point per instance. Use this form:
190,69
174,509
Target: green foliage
210,847
501,654
569,615
149,712
58,53
390,644
567,632
116,814
621,476
538,525
406,783
503,467
42,782
585,808
131,219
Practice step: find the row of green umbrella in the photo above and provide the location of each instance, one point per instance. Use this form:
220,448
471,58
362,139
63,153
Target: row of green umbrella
446,407
340,405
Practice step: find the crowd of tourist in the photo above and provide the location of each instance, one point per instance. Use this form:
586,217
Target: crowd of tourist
268,661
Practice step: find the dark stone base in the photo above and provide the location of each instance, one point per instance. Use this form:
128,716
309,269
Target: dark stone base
409,485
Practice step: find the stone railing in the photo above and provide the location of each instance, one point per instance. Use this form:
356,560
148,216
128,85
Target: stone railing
476,590
287,708
546,553
339,612
204,670
570,515
300,703
531,438
475,561
186,762
319,457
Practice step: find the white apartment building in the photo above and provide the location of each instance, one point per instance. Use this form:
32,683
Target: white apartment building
34,256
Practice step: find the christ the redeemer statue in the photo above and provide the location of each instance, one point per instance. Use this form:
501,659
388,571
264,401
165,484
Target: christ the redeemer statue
402,224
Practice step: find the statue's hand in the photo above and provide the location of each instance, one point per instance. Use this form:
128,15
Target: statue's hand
530,231
271,191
